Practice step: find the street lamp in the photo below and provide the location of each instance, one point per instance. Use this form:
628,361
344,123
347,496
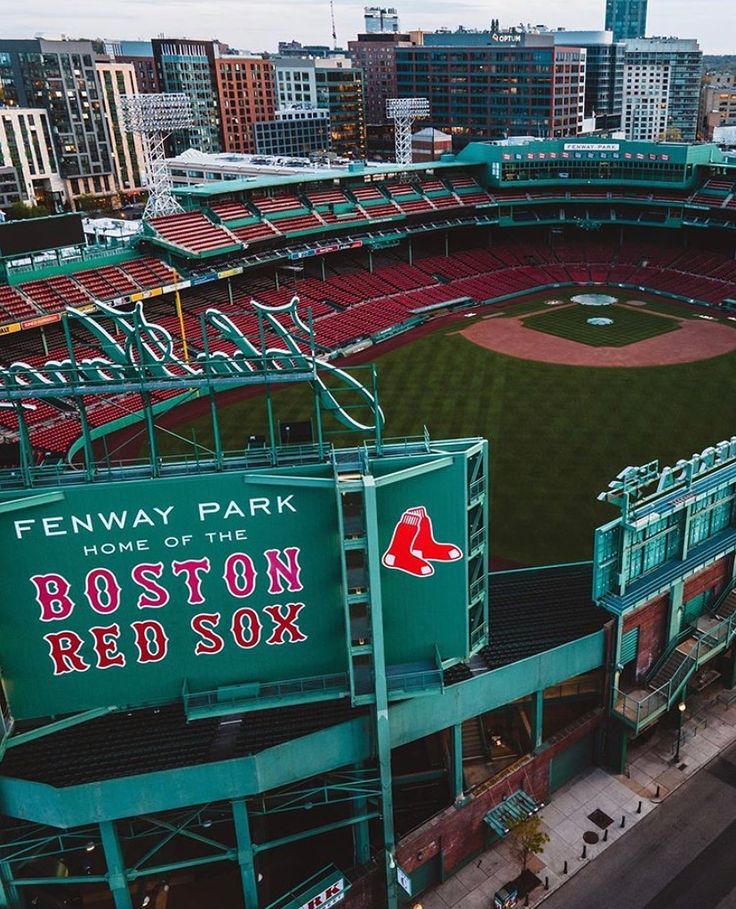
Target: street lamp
680,714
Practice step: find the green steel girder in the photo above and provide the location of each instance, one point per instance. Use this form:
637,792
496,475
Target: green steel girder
174,830
356,785
315,831
51,728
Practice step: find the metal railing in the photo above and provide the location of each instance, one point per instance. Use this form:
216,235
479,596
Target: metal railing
413,681
236,696
706,645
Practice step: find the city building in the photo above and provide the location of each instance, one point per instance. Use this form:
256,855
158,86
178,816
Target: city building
189,67
429,144
717,103
626,18
379,20
376,55
604,70
298,131
662,78
340,90
10,189
119,79
295,81
496,84
60,76
140,54
28,169
297,49
247,94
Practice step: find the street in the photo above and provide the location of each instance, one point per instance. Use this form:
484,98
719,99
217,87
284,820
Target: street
681,856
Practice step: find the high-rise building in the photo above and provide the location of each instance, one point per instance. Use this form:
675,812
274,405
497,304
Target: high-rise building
247,94
295,81
626,18
375,54
492,85
60,76
379,20
297,132
340,90
26,149
188,67
604,71
119,79
662,78
140,54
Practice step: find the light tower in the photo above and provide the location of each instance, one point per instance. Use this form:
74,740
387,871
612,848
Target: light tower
404,111
154,117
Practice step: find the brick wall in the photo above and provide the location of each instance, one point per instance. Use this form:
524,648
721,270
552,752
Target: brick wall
652,620
715,575
458,833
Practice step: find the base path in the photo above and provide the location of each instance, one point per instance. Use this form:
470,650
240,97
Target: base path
696,339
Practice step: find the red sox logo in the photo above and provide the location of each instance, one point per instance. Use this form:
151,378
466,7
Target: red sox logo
413,547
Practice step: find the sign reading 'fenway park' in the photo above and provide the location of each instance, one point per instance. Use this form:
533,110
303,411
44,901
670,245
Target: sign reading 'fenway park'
122,591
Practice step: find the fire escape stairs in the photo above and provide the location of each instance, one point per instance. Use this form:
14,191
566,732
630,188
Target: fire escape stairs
668,677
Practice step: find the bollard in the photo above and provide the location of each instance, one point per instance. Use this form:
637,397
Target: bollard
564,870
656,794
585,852
526,901
638,810
623,820
605,835
546,883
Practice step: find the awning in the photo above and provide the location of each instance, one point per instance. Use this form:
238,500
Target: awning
512,810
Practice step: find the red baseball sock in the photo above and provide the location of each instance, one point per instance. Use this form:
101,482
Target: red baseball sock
425,544
399,554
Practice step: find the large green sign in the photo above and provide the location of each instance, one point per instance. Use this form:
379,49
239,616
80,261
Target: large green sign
119,592
122,593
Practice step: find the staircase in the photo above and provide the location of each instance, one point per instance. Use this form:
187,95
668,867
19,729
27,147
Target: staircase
473,741
713,633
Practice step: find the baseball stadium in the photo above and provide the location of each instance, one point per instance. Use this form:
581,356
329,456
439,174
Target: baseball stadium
422,433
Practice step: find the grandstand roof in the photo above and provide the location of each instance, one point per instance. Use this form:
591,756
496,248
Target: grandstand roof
221,187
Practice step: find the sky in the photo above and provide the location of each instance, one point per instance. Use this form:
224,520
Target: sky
259,26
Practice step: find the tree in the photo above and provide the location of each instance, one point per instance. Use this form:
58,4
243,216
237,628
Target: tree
19,211
528,838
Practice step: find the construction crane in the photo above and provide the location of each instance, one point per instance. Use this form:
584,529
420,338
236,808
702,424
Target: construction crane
334,27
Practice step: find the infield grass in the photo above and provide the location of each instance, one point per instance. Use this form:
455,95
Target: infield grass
629,325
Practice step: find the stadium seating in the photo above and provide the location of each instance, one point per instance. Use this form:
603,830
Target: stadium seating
193,232
14,306
106,283
280,202
256,232
230,210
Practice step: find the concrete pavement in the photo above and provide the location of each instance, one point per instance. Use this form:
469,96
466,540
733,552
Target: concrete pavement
709,728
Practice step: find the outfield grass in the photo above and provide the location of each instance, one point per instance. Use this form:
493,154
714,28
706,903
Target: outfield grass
629,325
558,434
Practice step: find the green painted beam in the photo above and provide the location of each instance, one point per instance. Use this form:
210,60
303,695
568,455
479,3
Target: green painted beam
116,877
50,728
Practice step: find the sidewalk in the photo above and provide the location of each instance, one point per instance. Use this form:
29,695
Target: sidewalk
710,725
